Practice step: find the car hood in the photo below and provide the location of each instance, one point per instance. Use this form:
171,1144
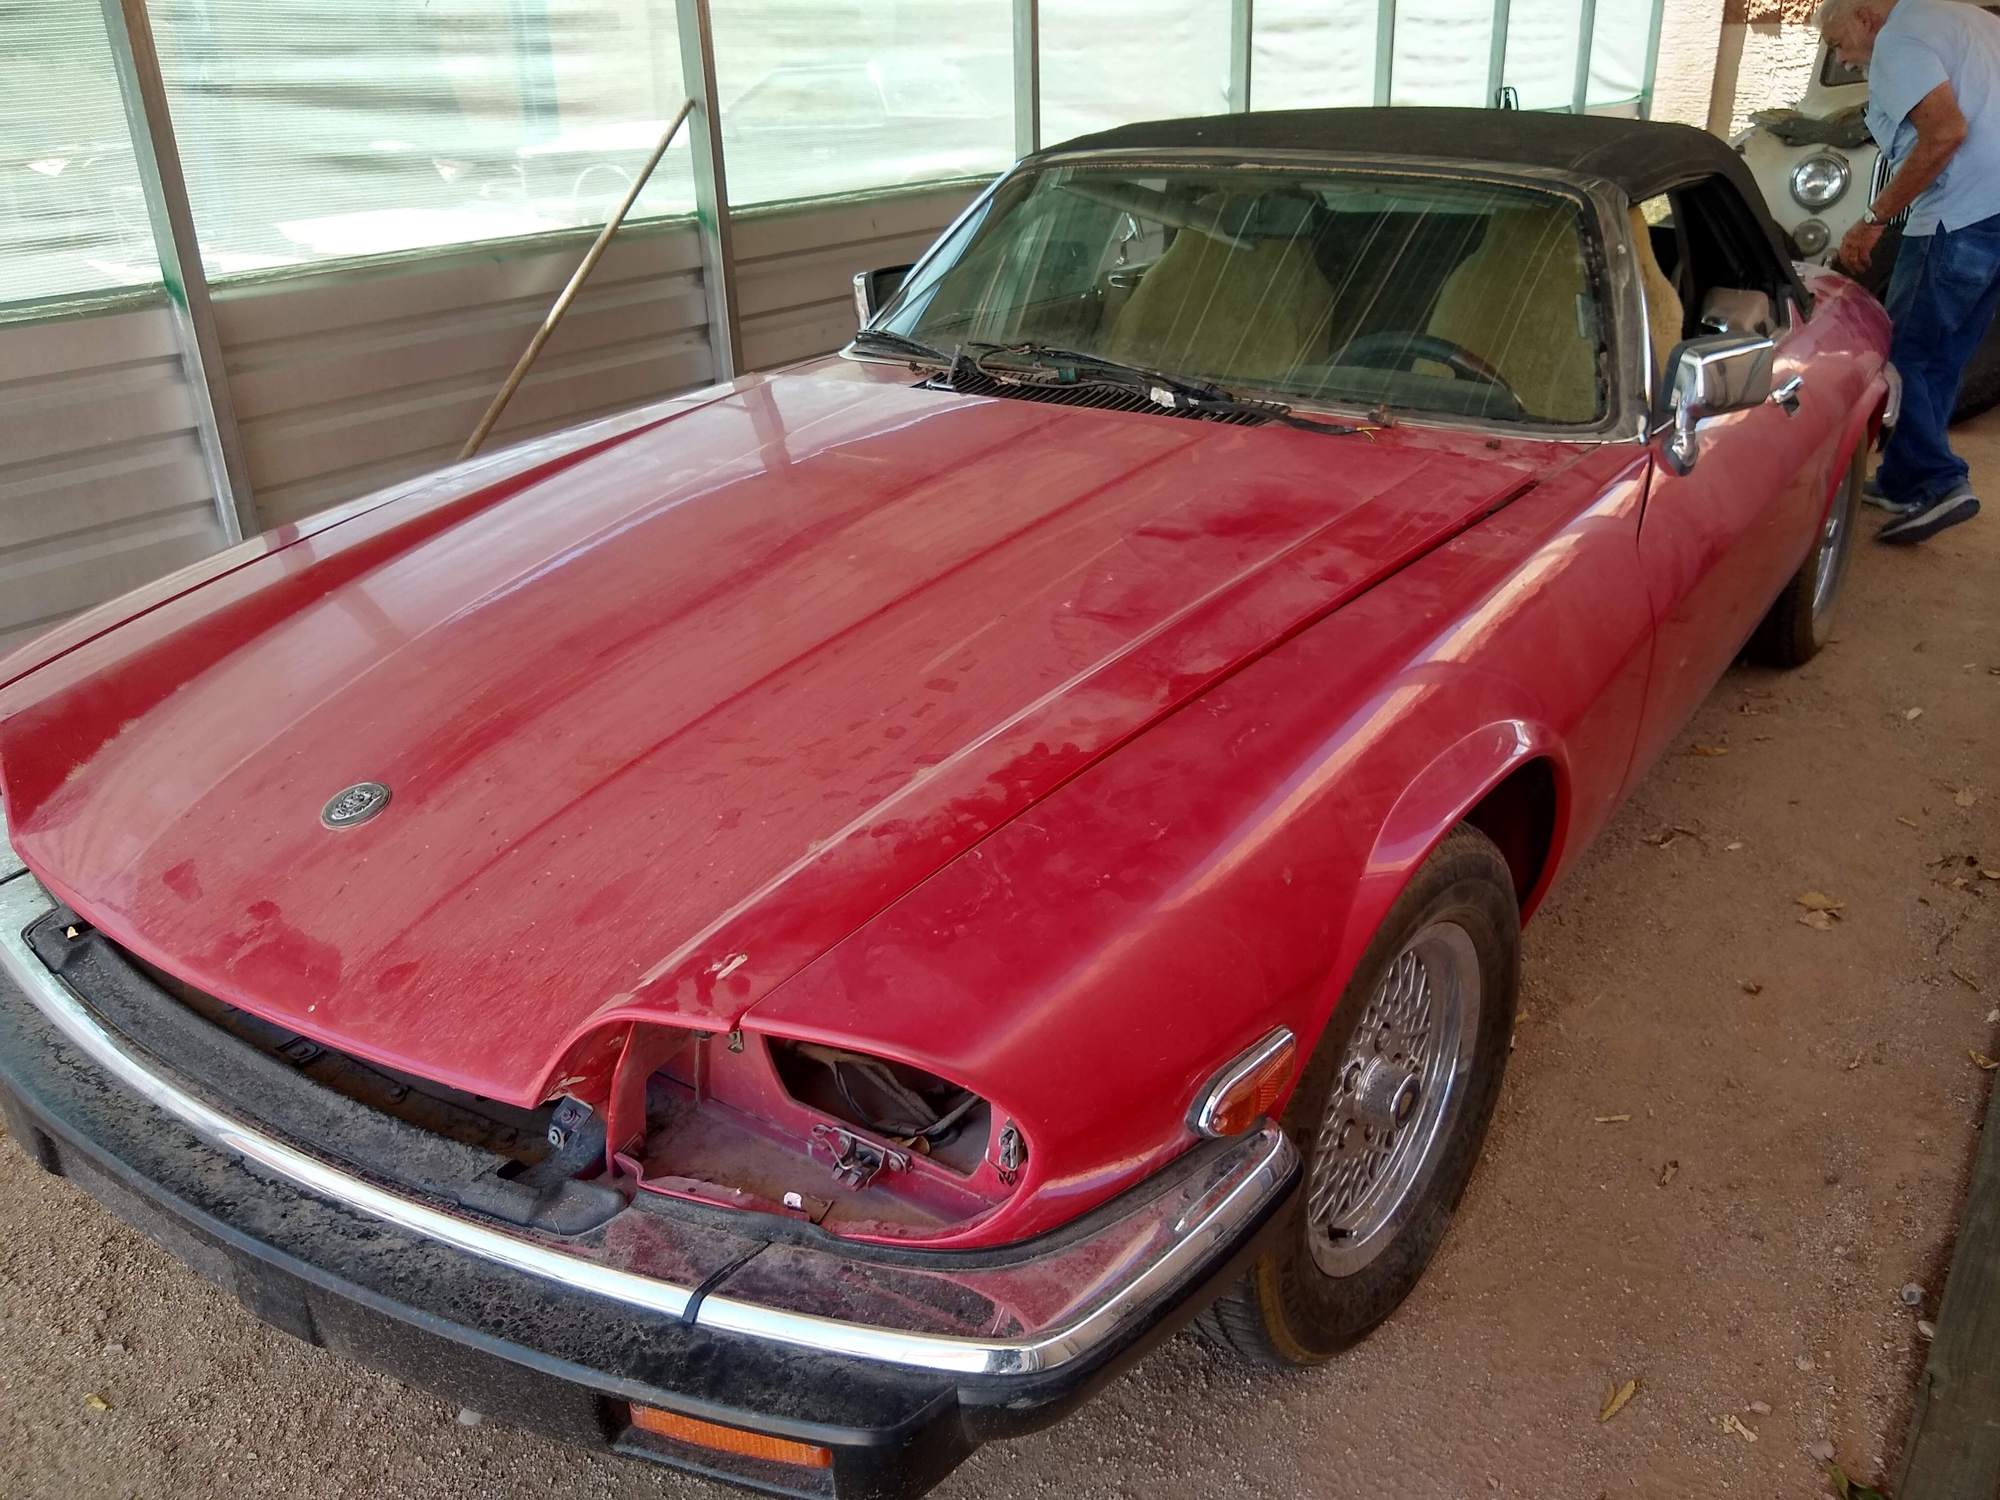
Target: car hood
663,725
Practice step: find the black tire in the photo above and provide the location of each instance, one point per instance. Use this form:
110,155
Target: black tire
1979,390
1285,1310
1792,632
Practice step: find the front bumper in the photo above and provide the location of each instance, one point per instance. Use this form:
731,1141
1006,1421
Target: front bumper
897,1364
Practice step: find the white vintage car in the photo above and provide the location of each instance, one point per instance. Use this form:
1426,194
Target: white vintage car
1819,169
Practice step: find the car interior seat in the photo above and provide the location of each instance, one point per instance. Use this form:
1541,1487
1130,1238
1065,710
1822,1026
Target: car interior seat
1255,308
1666,312
1515,303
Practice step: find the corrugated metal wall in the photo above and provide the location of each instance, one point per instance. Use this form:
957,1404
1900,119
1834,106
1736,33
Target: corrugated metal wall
102,484
349,380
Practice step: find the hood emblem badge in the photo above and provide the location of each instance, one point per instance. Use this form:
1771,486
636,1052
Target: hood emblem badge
356,804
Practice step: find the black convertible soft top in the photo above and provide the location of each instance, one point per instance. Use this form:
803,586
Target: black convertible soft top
1643,157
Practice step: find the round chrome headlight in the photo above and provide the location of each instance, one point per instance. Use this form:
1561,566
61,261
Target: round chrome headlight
1820,180
1811,237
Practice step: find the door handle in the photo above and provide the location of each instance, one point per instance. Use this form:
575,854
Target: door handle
1787,395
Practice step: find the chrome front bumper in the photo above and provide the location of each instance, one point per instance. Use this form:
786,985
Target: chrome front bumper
1076,1294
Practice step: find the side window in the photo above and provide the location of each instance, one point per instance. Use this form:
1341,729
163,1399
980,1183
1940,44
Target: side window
1731,280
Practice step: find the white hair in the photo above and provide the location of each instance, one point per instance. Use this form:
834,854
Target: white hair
1842,10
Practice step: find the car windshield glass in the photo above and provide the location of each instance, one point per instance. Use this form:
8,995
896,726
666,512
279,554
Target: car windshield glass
1455,298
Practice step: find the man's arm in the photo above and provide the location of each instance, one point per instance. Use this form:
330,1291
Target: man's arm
1940,132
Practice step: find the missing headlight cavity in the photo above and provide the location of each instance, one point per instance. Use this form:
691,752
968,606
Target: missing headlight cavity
906,1105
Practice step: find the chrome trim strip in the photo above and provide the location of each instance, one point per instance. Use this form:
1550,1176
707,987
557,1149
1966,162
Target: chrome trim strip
1201,1119
1241,1186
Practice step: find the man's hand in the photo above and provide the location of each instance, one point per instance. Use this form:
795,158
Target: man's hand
1857,246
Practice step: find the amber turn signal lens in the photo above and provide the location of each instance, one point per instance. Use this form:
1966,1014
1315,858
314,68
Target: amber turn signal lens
1247,1087
717,1438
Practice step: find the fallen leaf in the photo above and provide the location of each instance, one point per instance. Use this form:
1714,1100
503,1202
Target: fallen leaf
1819,921
1751,986
1913,714
1731,1423
69,932
1965,979
1818,901
1993,1017
1983,1061
1986,874
1709,750
1906,822
1611,1119
96,1402
1616,1396
1732,848
1855,1064
1965,796
1668,1172
1759,1408
1926,1329
1846,1488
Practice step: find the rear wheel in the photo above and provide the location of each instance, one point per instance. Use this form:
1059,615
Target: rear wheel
1801,619
1390,1113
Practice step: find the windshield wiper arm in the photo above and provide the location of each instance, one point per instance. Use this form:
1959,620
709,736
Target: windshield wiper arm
889,341
1169,391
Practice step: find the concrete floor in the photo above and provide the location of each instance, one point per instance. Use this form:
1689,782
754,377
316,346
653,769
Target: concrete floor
1793,1157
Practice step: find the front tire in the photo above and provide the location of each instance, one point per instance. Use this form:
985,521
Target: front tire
1390,1113
1801,619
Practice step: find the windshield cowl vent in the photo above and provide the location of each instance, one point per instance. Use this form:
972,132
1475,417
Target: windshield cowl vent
1101,396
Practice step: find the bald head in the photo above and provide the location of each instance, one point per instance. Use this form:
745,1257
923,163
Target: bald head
1851,26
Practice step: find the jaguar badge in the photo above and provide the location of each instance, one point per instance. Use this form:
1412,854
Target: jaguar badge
357,804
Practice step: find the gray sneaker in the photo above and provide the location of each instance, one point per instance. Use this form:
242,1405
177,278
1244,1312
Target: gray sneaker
1925,522
1873,494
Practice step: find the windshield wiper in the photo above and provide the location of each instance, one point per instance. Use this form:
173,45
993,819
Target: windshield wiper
890,342
1168,391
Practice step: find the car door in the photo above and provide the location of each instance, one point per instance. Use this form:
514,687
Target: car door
1716,544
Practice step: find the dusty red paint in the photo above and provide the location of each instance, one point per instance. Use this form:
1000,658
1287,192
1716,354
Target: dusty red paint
1058,752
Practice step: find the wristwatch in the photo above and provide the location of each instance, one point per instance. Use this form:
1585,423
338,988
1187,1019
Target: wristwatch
1869,216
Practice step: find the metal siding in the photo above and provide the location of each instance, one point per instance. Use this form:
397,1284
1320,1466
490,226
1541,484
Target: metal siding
102,484
348,380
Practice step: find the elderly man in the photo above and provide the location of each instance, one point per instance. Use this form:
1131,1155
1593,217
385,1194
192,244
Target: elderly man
1934,109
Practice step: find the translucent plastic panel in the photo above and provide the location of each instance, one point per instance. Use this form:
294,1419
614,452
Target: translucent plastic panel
1618,54
1108,62
319,129
1541,51
72,217
1443,51
1312,54
822,97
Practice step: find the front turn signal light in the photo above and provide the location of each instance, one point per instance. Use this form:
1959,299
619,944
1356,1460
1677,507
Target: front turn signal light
1246,1088
732,1440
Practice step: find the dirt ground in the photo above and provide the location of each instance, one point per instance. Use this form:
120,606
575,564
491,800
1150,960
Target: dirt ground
1801,1104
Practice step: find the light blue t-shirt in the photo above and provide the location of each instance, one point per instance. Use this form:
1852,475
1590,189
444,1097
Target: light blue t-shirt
1925,43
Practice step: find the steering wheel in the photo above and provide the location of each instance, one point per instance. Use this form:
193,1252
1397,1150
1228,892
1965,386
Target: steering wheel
1398,351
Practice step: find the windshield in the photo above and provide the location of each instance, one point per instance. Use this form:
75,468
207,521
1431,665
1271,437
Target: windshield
1463,299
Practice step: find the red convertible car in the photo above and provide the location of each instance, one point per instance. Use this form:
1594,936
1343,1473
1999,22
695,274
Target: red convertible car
793,931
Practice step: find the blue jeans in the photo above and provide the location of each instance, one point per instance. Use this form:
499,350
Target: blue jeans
1941,300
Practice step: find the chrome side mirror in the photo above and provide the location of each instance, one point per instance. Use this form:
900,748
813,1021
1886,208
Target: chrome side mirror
873,288
1708,377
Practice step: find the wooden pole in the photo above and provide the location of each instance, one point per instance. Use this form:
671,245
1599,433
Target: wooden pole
575,285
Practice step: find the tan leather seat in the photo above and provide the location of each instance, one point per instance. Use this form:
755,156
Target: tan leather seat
1665,315
1513,302
1207,307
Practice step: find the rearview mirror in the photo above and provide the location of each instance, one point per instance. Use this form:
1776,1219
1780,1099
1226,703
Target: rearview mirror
1707,377
873,288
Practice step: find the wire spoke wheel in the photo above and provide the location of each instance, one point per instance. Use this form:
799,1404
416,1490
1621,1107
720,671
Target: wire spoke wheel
1394,1097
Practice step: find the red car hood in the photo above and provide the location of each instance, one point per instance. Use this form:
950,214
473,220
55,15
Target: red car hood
664,725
